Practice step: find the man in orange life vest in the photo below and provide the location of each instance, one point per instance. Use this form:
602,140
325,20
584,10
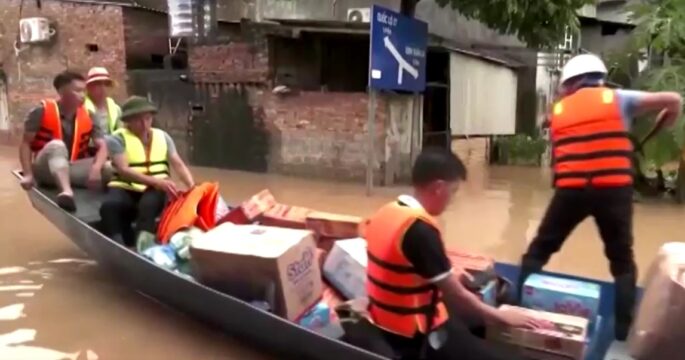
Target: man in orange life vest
592,166
54,150
411,285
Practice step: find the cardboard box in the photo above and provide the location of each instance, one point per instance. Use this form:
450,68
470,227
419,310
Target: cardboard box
251,209
563,296
254,262
345,267
333,225
481,267
321,256
326,243
281,215
568,340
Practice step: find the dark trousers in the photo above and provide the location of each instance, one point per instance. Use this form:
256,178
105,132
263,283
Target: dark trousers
612,210
122,208
460,344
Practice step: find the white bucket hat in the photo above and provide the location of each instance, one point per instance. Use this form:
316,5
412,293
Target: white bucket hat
581,65
96,74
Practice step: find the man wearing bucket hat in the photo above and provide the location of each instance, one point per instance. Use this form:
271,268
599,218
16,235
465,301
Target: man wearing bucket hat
142,157
593,172
98,101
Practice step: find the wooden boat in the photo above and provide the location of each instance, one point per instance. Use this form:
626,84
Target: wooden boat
223,311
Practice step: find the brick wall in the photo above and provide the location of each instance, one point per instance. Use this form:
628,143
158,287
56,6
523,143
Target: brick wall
323,134
146,33
320,134
30,75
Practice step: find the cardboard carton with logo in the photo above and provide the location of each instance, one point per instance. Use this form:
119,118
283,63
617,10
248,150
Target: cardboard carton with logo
345,267
567,339
287,216
251,209
257,263
334,226
561,295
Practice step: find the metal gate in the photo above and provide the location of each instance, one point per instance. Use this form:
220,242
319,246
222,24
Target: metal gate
224,131
170,91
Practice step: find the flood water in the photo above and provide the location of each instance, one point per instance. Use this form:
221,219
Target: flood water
55,303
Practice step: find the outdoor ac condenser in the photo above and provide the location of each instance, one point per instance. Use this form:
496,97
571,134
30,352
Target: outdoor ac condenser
35,30
359,15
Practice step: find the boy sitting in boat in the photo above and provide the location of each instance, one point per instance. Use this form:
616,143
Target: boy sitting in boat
415,298
142,157
55,145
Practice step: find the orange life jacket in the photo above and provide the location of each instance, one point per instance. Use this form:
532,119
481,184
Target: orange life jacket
51,129
194,208
400,300
590,143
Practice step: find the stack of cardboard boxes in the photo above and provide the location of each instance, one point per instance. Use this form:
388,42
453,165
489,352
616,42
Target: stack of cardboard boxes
570,306
303,263
267,252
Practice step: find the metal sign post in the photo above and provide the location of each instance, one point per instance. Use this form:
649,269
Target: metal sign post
371,128
397,61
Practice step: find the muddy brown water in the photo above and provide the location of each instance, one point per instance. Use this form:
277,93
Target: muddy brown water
55,303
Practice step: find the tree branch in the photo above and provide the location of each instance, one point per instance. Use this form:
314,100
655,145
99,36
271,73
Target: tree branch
407,7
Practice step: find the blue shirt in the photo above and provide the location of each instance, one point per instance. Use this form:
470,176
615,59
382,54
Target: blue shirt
628,101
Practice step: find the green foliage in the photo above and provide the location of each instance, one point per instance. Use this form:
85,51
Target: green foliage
661,30
520,149
539,23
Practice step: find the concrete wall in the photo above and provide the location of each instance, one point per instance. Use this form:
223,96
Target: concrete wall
312,133
591,39
30,74
146,34
452,25
442,21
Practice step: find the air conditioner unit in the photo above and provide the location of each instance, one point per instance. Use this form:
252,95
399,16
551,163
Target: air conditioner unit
35,30
359,15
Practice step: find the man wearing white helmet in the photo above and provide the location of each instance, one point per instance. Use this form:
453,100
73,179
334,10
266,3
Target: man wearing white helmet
98,100
593,176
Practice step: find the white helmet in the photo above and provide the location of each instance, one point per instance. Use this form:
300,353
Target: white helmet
582,64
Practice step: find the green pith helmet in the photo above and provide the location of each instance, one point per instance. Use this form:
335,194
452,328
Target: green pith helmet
136,105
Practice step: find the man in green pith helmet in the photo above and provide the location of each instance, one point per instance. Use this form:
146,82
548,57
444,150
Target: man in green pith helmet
142,157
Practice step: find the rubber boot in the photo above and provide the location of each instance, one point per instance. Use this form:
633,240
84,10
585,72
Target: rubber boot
624,302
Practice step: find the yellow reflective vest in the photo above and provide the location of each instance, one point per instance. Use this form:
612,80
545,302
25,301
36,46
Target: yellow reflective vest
113,113
152,161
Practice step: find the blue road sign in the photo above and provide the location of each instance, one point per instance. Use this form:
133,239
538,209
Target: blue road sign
398,51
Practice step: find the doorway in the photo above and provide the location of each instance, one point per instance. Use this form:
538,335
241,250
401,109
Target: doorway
436,104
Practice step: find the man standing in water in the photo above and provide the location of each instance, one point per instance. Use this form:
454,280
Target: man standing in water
414,297
98,100
54,150
593,174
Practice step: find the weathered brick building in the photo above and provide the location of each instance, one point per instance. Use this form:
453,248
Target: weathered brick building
281,95
112,34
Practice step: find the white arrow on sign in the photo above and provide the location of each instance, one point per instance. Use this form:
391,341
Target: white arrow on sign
404,65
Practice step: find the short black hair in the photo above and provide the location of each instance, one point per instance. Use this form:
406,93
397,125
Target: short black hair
65,78
437,164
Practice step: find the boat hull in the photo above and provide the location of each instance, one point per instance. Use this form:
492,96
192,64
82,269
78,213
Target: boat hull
229,314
